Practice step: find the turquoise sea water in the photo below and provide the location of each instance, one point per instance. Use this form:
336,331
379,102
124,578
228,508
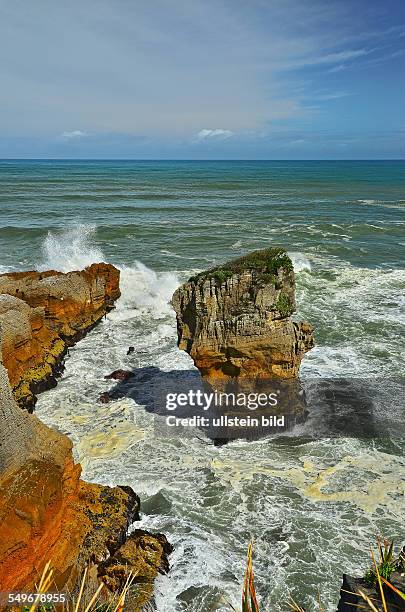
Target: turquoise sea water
312,507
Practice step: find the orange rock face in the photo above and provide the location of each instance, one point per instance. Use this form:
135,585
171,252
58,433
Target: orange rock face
47,513
42,313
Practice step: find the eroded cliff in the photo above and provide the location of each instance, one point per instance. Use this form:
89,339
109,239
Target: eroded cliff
235,320
47,513
42,314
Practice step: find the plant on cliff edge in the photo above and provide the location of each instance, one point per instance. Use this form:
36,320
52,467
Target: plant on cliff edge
386,566
114,603
249,599
386,562
266,263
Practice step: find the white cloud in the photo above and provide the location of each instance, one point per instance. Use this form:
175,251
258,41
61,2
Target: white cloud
217,134
338,68
74,134
329,58
335,95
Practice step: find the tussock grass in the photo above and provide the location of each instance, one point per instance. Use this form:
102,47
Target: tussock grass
380,571
108,603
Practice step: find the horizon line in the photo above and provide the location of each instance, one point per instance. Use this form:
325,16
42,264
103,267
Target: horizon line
180,159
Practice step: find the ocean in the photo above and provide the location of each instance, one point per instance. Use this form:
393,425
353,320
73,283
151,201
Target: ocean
312,507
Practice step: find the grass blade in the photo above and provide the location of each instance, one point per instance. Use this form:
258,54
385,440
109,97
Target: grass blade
397,591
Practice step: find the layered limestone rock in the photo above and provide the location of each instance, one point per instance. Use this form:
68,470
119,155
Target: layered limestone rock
144,555
48,514
235,320
42,314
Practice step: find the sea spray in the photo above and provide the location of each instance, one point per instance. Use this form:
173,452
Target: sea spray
70,249
146,291
300,262
143,289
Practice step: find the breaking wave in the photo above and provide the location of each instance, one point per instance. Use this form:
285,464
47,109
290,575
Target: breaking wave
71,249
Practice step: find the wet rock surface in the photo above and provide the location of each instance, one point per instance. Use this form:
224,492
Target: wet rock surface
143,556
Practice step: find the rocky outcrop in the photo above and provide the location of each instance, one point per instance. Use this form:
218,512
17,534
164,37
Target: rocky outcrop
47,513
351,600
42,314
144,555
235,320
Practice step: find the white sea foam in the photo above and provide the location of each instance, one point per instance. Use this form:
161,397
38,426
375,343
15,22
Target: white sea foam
145,291
300,262
395,204
116,443
71,249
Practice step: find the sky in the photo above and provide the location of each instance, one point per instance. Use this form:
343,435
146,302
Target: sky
202,79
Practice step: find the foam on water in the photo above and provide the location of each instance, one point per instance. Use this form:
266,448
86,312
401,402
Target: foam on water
300,262
359,318
312,506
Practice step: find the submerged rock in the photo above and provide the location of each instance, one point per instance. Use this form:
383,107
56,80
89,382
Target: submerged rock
42,314
104,398
235,320
121,375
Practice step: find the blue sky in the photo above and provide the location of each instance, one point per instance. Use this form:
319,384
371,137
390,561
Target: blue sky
196,79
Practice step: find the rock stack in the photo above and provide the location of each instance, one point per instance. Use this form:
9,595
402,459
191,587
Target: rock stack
235,320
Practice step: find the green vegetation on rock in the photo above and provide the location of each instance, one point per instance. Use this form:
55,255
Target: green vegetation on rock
283,305
266,263
388,564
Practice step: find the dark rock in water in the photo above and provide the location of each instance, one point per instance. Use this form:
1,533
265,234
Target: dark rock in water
157,504
130,350
351,601
104,398
121,375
